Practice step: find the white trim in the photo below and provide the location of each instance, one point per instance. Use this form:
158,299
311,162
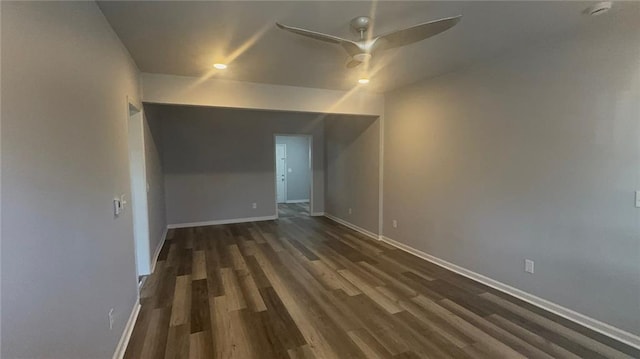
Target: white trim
593,324
352,226
158,249
275,175
221,221
317,214
128,329
138,181
297,201
381,176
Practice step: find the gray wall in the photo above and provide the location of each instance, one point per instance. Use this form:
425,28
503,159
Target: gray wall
534,155
65,259
298,184
352,169
155,193
217,161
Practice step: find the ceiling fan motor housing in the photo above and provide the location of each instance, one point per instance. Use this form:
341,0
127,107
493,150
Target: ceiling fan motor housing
361,23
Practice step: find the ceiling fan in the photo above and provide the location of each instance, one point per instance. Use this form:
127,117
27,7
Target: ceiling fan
362,50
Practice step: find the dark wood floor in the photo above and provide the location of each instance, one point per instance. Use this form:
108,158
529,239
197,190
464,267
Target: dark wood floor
293,209
305,287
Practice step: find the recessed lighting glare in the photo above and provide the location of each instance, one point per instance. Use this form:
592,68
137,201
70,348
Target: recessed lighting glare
220,66
363,81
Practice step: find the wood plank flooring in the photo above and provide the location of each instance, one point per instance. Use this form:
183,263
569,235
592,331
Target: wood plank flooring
306,287
293,209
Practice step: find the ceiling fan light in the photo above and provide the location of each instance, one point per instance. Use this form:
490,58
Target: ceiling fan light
363,81
363,57
220,66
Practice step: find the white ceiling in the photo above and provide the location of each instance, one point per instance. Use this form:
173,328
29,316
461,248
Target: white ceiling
186,38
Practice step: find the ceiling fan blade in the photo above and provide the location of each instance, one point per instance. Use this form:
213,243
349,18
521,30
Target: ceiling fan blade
350,46
415,33
353,63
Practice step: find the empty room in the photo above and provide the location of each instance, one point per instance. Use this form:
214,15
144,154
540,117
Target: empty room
319,179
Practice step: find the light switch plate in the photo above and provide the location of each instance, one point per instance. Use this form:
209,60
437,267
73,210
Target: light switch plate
637,199
117,206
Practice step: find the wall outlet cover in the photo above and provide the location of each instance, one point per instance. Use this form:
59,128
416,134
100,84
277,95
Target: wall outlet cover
111,319
528,266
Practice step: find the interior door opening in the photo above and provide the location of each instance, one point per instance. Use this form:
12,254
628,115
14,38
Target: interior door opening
294,177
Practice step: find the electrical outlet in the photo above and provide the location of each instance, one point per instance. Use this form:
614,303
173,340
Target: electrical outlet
111,318
394,223
528,266
254,205
350,211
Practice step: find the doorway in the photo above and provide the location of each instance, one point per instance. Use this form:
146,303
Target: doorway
138,178
293,170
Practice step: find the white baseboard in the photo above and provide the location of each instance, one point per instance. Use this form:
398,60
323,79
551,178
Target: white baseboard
352,226
594,324
221,221
128,329
297,200
317,214
158,249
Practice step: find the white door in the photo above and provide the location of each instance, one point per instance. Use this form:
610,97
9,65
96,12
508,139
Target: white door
281,173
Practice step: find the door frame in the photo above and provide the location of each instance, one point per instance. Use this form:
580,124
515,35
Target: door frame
309,138
285,171
138,189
